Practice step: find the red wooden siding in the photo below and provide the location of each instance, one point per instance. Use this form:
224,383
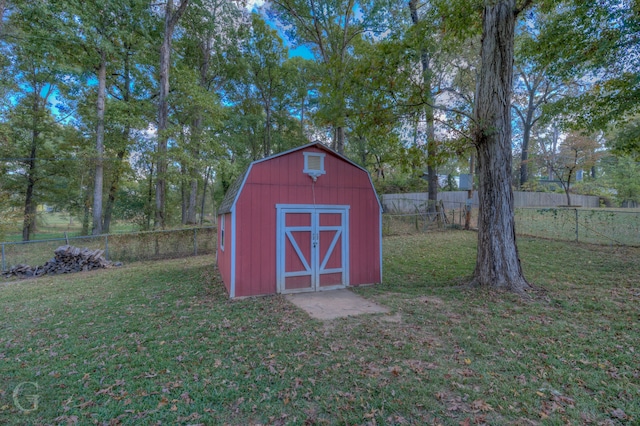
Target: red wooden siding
280,180
224,256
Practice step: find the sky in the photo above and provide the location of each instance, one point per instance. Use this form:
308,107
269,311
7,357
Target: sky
256,6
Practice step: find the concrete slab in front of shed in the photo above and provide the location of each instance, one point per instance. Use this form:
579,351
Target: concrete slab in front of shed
331,304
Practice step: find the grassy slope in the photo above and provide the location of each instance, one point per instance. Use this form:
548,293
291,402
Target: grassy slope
160,341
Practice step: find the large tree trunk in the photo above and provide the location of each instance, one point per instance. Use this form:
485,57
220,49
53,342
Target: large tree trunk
99,170
170,20
498,263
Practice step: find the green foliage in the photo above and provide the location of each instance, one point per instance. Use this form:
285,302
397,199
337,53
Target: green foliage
596,43
400,183
622,173
626,138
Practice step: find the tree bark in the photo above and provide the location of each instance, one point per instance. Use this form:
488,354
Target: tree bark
204,193
170,20
192,209
183,193
117,172
3,5
340,140
196,139
267,129
432,147
524,156
527,125
113,190
472,170
99,169
86,216
149,204
30,205
498,263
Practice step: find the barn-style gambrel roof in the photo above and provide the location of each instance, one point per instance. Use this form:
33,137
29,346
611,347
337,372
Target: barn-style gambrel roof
233,192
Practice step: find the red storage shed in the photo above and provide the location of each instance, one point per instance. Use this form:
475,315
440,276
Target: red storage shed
307,219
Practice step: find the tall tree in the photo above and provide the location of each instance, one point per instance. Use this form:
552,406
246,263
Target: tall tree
99,160
497,263
171,17
330,28
210,34
623,174
532,92
35,70
426,61
265,56
576,152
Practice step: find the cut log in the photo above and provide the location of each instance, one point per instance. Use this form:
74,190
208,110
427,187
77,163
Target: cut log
67,259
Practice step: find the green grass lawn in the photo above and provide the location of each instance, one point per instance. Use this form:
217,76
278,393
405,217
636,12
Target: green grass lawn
154,342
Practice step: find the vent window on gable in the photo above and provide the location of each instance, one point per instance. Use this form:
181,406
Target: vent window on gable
314,164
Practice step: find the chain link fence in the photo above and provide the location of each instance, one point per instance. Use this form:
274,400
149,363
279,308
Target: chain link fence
440,216
595,226
129,247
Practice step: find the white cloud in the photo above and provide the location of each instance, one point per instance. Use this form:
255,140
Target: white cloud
251,4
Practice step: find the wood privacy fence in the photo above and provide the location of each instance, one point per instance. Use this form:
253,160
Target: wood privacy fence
413,202
126,247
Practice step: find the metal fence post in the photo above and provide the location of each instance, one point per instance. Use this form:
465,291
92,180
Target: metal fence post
576,225
195,241
106,247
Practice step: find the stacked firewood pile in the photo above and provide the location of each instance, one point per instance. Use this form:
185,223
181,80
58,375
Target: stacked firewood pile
67,259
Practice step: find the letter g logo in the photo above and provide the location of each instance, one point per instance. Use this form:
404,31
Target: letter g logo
22,396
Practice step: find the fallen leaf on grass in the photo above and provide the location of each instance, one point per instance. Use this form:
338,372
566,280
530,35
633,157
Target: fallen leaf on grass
395,370
564,400
163,401
619,414
480,405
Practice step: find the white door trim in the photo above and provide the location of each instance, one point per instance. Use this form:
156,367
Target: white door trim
316,266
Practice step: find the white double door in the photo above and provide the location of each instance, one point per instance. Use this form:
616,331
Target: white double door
312,248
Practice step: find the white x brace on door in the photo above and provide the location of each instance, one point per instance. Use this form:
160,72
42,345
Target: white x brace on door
312,247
